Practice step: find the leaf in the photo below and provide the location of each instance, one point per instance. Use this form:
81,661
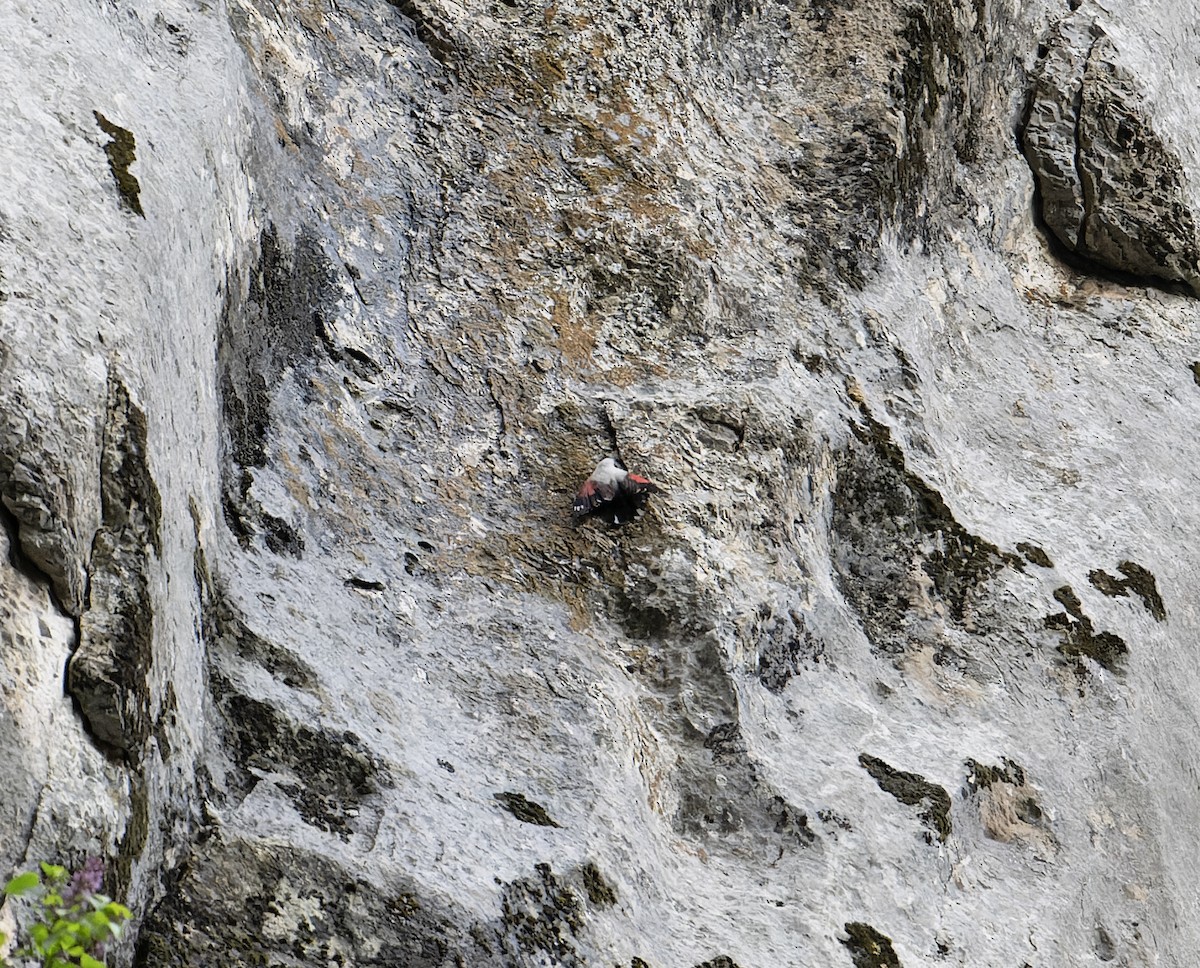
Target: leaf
115,910
98,923
38,933
53,871
87,961
22,883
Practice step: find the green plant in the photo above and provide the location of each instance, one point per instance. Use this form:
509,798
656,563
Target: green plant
73,921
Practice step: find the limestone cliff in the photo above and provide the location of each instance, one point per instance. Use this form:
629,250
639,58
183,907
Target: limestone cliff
313,315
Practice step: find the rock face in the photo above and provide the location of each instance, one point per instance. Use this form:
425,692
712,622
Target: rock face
1112,188
312,318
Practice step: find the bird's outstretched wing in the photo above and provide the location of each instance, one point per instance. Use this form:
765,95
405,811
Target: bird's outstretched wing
591,496
583,500
636,484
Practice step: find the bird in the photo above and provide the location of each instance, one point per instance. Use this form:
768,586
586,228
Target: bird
612,492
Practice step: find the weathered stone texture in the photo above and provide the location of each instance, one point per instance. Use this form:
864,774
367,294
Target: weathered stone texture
1112,189
897,668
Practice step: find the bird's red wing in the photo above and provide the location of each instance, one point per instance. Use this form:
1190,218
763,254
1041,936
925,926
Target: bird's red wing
591,496
586,499
636,484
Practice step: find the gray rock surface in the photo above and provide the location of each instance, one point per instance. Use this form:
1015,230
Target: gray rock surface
313,317
1112,189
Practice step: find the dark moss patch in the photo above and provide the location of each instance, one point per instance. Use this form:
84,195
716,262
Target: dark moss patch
1005,799
166,722
1034,555
888,524
277,324
121,152
136,836
1138,580
542,916
720,961
599,891
1106,583
128,493
1196,372
845,190
1066,597
834,818
1079,636
1142,583
325,774
365,584
226,634
785,647
638,963
218,900
980,777
790,822
869,948
640,619
524,810
281,537
404,905
913,790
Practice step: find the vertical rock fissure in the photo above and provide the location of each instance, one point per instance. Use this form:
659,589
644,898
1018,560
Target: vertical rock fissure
108,674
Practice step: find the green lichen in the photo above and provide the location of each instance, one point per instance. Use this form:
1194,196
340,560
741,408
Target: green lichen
1034,555
869,948
542,916
599,891
121,152
405,904
1138,580
887,521
913,790
524,810
981,777
1079,636
137,834
1106,583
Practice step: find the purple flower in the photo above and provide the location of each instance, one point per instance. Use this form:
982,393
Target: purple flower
85,881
